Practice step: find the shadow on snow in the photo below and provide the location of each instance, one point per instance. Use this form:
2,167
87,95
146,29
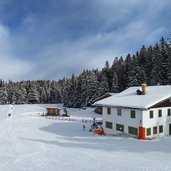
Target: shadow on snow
71,135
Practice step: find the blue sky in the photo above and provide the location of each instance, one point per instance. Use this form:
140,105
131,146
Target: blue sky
51,39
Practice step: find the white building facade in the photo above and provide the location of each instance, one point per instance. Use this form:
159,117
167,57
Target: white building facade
155,122
149,119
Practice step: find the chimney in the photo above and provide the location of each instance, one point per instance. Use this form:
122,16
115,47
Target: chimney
144,89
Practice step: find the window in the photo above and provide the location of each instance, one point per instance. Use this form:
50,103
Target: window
160,128
132,130
132,113
119,112
151,113
109,110
148,131
160,113
109,125
168,112
155,130
120,127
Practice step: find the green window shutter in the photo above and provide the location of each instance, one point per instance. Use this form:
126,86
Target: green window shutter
168,112
120,127
109,125
151,113
160,128
148,131
109,110
133,114
160,113
133,130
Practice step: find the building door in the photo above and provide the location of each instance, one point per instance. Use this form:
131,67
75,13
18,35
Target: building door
141,133
169,129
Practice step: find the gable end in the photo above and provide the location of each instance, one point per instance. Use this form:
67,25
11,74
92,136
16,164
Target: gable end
164,103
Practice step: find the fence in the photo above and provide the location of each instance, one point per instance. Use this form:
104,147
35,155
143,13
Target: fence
84,120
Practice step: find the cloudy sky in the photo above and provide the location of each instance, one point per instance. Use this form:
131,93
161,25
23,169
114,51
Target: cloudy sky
51,39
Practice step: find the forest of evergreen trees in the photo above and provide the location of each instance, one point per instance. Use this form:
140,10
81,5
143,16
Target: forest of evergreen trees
150,65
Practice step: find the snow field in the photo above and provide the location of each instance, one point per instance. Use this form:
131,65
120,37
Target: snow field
29,142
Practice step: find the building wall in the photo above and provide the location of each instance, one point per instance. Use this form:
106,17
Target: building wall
142,120
53,111
124,119
157,121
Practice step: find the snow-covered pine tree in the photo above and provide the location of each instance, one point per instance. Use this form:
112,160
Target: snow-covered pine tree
169,62
61,89
14,98
107,72
3,95
139,76
43,95
22,94
78,96
66,93
10,90
115,86
92,89
54,93
84,89
142,57
148,67
48,93
120,69
103,86
128,68
72,91
156,75
32,96
164,59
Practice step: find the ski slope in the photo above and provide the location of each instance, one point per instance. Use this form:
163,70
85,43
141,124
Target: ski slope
29,142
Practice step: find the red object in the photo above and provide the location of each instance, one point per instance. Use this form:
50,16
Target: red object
99,132
141,133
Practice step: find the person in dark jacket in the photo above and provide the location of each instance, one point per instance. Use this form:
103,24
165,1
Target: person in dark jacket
84,127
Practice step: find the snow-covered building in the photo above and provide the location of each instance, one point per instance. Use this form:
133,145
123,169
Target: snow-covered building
143,112
53,111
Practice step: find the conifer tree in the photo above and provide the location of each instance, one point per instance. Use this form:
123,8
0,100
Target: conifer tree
78,96
32,96
156,75
104,86
21,95
3,95
115,86
149,63
164,60
169,63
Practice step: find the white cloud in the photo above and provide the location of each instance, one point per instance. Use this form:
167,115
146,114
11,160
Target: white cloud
38,51
63,59
10,66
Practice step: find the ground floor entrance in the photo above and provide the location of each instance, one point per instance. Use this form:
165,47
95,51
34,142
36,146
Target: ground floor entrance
169,129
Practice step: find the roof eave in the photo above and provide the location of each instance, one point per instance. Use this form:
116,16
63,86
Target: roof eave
125,107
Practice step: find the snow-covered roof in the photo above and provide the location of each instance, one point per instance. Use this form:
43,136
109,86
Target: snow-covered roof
113,94
130,99
53,108
107,95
